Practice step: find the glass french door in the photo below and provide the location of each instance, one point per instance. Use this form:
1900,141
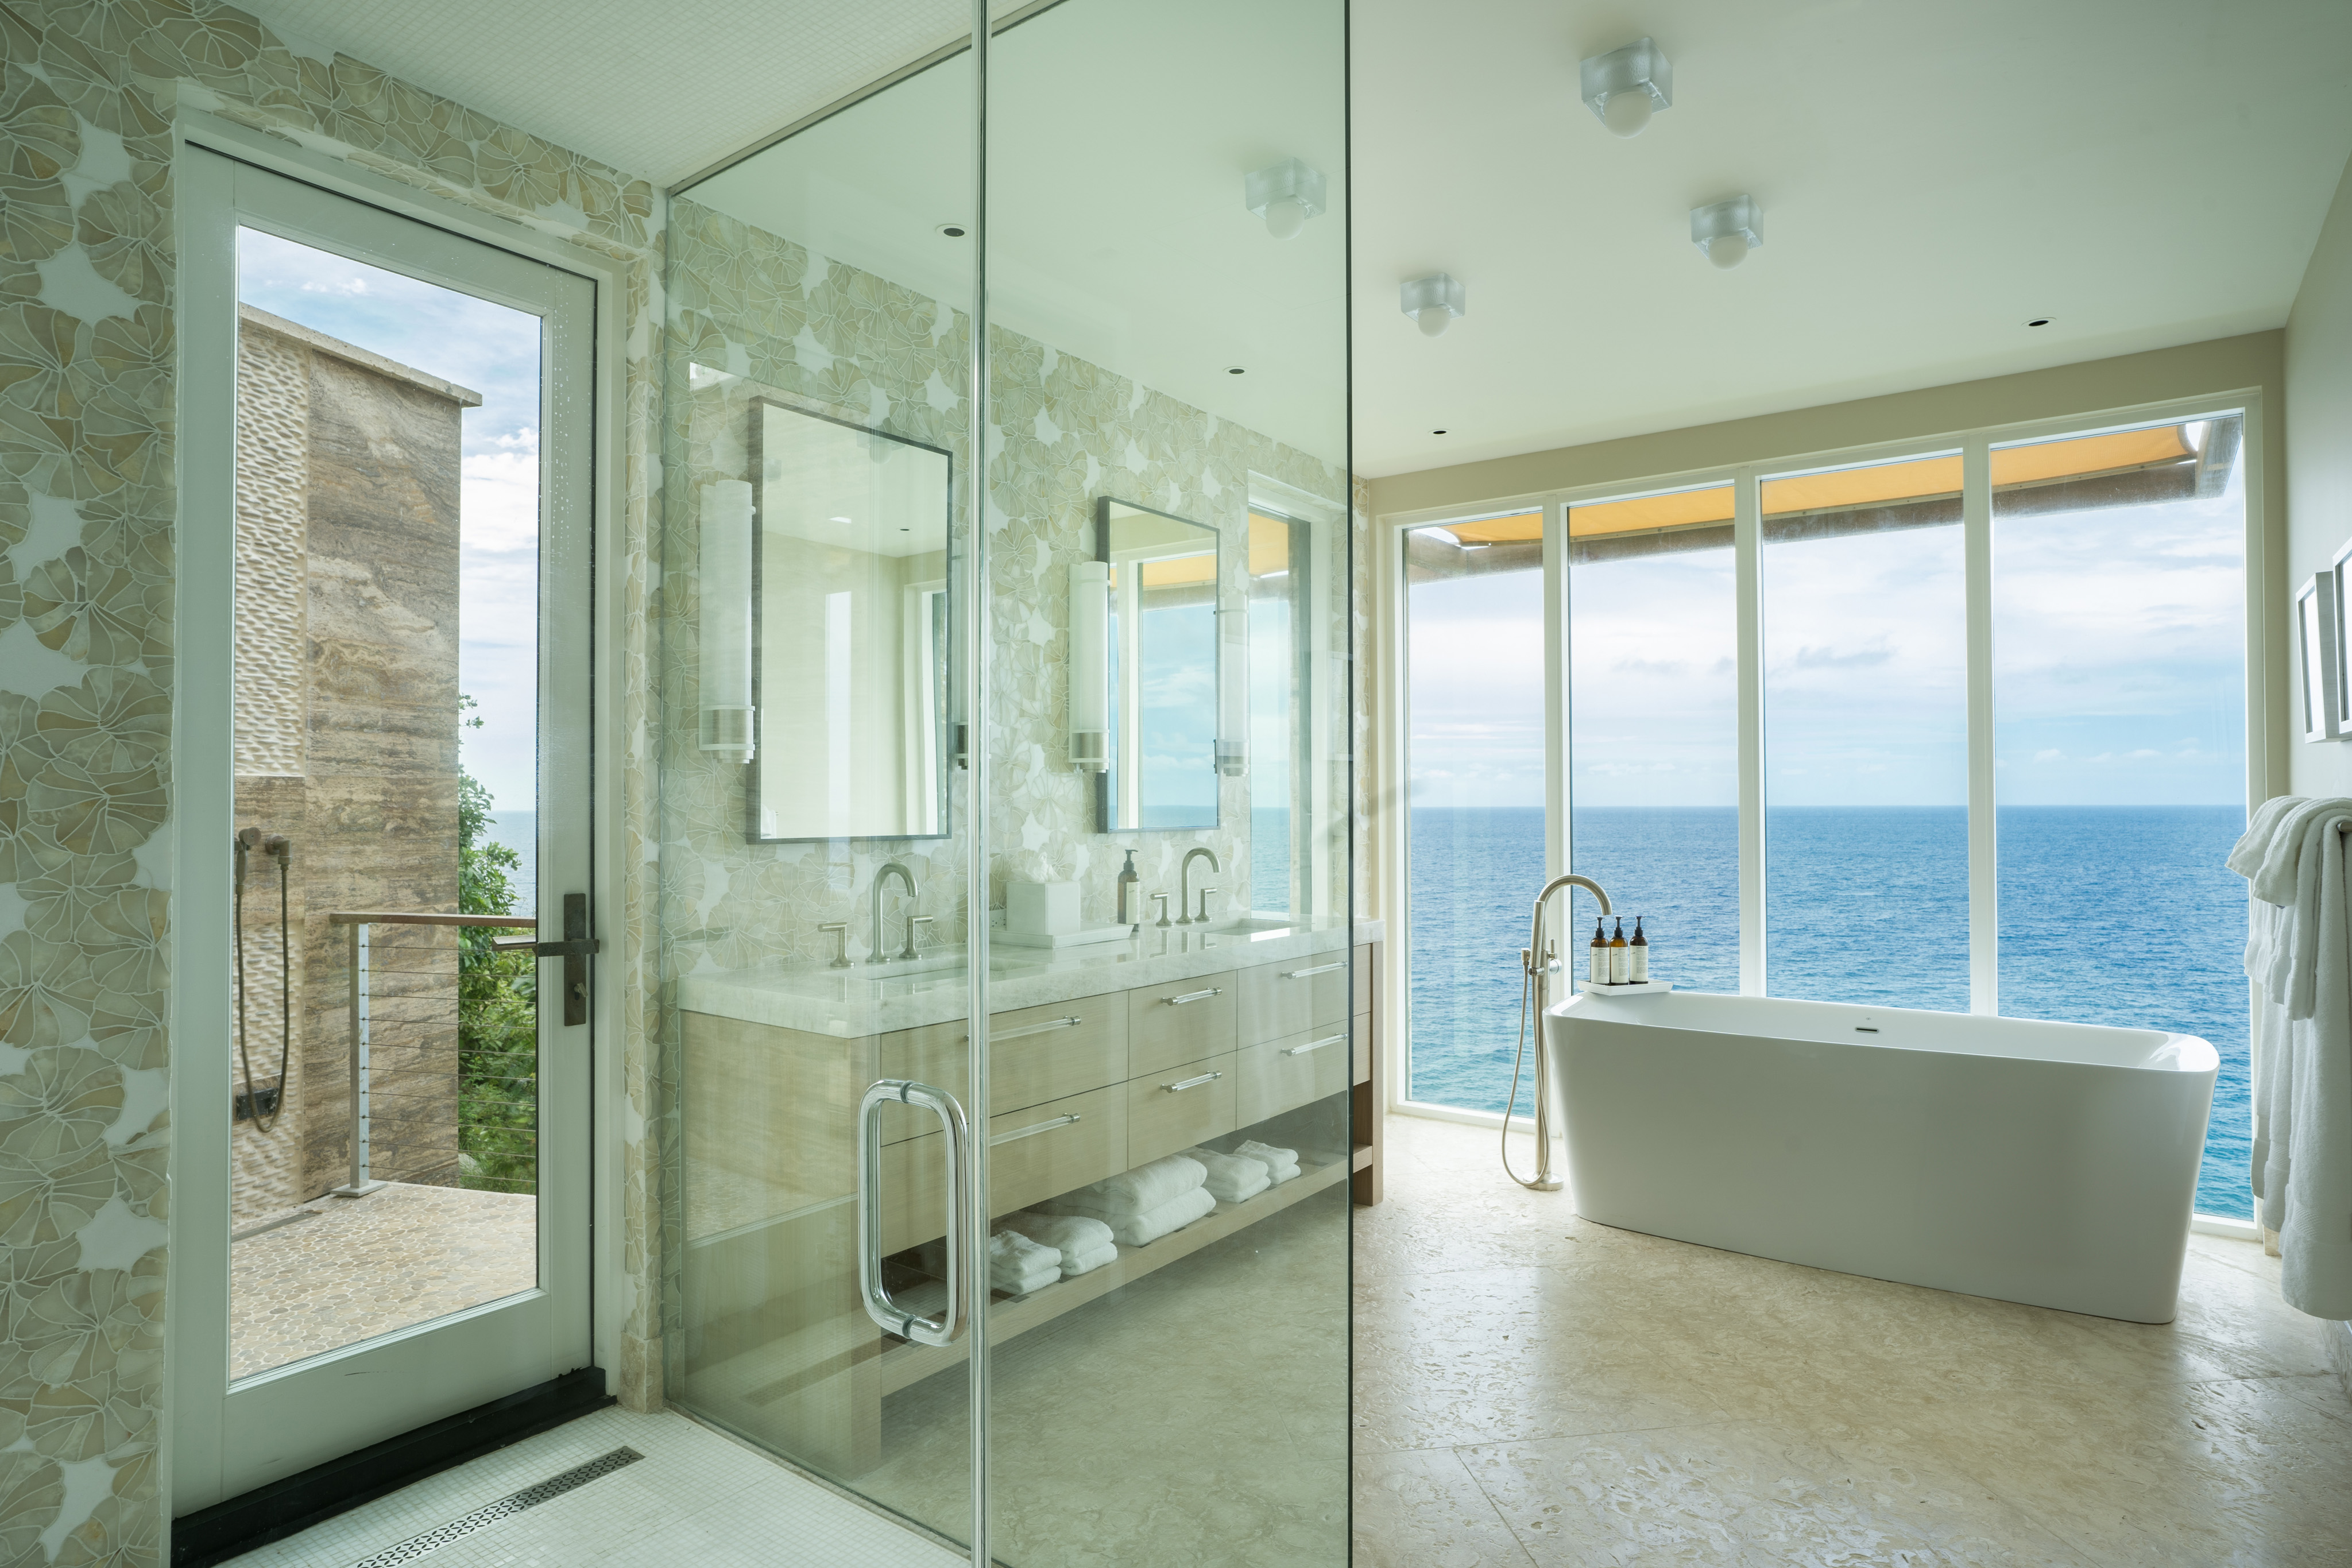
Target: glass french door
383,1113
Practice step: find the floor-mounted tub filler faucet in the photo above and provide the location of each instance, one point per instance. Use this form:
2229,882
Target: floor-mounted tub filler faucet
1184,882
874,954
1539,961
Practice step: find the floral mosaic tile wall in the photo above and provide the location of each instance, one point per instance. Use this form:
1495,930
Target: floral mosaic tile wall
88,536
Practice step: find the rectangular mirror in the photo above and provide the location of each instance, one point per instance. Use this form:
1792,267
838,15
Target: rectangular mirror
1162,644
851,631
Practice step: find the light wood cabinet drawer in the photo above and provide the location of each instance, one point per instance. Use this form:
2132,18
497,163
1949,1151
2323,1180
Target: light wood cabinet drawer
1178,1106
1279,999
1362,977
1363,1050
1182,1020
1035,1055
1041,1157
1296,1070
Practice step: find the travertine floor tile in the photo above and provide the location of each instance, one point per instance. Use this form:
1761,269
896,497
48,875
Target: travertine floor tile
1421,1509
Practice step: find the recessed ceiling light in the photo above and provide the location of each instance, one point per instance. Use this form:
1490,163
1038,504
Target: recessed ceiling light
838,519
1437,433
2039,321
1236,369
952,231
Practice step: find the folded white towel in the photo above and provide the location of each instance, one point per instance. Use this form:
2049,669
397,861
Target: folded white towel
1141,1230
1087,1262
1134,1192
1233,1179
1011,1252
1068,1232
1281,1165
1022,1285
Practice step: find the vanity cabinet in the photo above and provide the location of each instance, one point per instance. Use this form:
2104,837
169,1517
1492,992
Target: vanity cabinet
1078,1091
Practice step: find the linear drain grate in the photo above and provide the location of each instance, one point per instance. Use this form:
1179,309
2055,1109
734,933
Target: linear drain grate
529,1496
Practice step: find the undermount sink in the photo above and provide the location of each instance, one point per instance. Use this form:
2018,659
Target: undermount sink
1248,924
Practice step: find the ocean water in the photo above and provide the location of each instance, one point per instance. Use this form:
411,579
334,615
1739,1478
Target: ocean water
2119,914
520,830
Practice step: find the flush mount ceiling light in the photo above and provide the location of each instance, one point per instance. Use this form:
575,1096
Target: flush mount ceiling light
952,231
1625,87
1285,195
1433,302
1724,232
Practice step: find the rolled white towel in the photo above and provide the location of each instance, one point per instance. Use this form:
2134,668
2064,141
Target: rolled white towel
1076,1264
1131,1193
1281,1165
1233,1179
1067,1232
1140,1230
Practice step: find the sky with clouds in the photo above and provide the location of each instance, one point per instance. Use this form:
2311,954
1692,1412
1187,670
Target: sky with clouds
2119,639
495,351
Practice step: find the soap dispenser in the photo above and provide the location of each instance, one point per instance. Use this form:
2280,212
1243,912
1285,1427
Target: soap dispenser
1638,950
1129,900
1621,960
1597,969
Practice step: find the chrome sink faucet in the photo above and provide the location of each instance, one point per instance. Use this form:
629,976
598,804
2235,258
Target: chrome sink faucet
874,954
1184,881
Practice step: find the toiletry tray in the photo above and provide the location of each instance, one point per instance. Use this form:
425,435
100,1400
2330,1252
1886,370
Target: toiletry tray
1644,989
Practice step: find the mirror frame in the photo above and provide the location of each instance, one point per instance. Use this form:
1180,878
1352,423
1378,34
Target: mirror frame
1106,815
951,705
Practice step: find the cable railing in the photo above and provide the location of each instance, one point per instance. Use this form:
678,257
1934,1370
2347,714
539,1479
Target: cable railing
404,1000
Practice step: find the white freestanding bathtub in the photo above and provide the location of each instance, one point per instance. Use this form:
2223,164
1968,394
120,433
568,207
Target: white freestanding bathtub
2051,1164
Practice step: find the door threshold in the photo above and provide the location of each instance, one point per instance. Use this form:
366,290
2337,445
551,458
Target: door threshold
285,1507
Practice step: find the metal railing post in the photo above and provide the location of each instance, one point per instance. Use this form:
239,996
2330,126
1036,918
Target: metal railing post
361,1184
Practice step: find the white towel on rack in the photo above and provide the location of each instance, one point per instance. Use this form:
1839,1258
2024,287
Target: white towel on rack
1233,1179
1013,1255
1130,1193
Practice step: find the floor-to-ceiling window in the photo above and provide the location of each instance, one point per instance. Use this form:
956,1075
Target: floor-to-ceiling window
1475,692
1654,726
2118,655
1865,734
1978,740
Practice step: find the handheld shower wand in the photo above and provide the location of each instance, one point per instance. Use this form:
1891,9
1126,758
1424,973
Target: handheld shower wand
280,847
1539,961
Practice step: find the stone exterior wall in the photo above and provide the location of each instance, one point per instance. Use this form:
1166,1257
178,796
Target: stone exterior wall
346,708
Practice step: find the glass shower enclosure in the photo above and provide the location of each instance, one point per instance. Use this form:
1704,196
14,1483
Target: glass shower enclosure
1005,1134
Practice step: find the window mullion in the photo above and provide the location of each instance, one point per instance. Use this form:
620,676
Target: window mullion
1747,540
1559,847
1984,924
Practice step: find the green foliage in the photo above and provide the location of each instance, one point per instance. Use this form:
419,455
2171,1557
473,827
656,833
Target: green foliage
498,1012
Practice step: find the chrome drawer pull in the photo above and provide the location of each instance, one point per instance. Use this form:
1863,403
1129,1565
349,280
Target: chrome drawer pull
1050,1025
1314,1045
1319,969
1033,1132
1191,1083
1195,997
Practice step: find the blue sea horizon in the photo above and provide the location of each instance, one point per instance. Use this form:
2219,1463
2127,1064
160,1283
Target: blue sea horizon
2113,915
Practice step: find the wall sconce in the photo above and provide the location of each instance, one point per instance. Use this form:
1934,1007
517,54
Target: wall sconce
1090,665
1285,195
1724,232
1433,302
725,565
1625,87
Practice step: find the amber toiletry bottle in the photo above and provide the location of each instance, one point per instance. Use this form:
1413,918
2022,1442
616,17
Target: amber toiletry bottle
1638,952
1620,962
1598,970
1130,903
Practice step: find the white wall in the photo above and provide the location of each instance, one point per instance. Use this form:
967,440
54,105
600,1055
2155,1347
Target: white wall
2319,446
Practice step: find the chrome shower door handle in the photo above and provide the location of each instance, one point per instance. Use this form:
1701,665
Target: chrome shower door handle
949,1324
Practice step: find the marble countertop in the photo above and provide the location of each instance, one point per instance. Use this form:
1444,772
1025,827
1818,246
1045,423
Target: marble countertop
861,1001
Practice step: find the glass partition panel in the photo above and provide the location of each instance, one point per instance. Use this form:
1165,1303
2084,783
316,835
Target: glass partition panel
1475,701
2119,683
1865,734
1170,1170
1654,731
816,823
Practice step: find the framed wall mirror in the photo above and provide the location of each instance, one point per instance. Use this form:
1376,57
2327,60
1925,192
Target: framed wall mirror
852,633
1162,643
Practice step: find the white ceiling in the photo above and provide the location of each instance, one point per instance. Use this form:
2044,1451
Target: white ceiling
2145,172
